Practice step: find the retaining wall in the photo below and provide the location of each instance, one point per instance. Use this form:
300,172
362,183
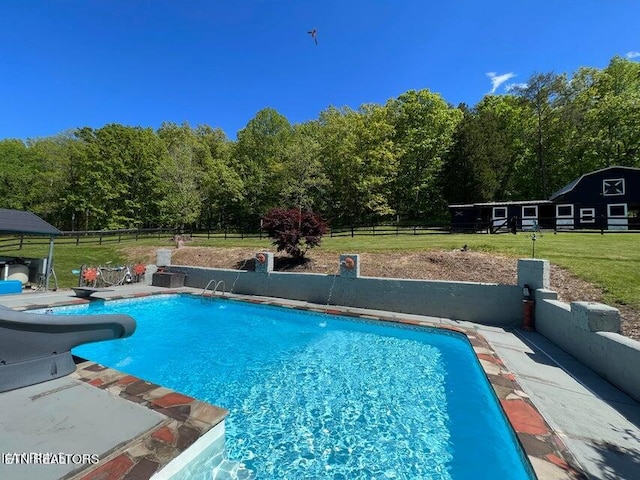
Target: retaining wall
486,303
589,331
489,304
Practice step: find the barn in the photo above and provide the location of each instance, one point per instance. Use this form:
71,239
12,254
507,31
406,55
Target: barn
607,199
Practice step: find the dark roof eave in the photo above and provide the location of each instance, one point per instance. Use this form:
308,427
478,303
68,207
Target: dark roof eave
26,223
502,204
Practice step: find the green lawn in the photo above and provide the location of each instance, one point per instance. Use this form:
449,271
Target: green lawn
69,257
611,261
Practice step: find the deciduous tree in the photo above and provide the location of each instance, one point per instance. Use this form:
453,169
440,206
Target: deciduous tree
357,153
424,125
294,231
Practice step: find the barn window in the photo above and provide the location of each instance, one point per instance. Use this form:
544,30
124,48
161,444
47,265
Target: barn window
613,186
617,210
529,212
588,215
564,211
499,212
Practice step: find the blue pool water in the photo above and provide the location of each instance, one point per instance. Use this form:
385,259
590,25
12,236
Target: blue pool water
320,396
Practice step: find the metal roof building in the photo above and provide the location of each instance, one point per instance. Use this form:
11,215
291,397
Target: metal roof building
20,221
605,199
27,223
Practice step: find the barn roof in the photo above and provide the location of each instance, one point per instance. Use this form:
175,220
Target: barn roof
501,204
570,186
20,221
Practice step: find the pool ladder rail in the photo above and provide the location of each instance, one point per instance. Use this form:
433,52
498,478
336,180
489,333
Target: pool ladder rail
216,286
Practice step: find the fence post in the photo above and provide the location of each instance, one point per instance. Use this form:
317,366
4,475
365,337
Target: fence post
119,237
373,230
21,241
352,231
100,241
77,239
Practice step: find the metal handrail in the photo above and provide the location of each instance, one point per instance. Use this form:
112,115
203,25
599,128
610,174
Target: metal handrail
215,288
208,285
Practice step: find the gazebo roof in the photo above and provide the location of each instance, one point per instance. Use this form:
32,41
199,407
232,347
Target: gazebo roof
20,221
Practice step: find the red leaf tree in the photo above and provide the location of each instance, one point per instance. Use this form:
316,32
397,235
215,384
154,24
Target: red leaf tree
293,230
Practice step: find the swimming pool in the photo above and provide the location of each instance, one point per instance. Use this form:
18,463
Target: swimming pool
320,396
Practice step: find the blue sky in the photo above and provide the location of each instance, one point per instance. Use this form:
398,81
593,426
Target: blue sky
72,63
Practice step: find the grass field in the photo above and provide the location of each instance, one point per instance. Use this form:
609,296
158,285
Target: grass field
610,261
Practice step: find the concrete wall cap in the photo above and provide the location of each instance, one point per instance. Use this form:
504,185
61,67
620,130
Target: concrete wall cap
596,317
595,308
621,339
545,294
534,272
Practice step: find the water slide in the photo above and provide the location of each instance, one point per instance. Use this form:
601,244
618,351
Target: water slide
37,347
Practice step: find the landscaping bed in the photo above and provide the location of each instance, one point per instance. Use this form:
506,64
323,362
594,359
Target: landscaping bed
454,265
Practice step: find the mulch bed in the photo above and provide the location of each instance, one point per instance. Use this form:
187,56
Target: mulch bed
453,265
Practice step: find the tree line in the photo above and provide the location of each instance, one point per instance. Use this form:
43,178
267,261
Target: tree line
404,160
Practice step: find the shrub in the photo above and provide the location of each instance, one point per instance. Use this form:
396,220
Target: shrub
292,230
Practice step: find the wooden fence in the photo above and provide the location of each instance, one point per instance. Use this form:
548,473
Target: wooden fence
373,230
95,237
100,237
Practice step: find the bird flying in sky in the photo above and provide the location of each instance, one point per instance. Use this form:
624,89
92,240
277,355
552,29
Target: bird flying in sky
313,35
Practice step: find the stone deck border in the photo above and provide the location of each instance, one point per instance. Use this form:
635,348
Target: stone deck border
188,419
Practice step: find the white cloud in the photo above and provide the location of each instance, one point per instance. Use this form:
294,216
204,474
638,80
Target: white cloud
633,54
512,86
497,80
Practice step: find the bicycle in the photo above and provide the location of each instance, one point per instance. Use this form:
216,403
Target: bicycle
110,276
